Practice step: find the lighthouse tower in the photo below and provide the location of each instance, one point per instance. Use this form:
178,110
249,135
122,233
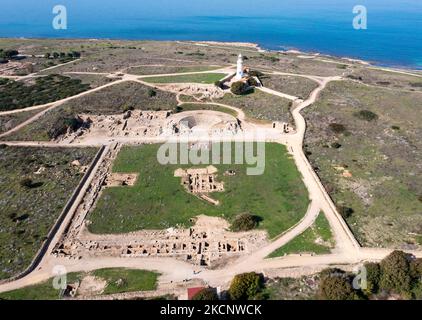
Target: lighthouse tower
239,72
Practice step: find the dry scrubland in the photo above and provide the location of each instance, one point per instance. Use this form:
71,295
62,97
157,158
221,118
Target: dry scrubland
259,105
31,202
386,79
111,100
365,144
9,121
296,86
114,55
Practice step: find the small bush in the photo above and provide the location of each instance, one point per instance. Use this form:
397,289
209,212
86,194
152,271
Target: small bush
395,128
207,294
239,88
152,93
63,124
246,286
336,287
395,271
337,128
373,273
336,145
416,268
244,222
346,212
252,82
366,115
218,84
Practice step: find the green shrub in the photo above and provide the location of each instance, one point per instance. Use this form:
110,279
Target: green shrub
416,269
244,222
152,93
246,286
207,294
373,274
345,212
218,84
366,115
417,291
63,124
337,128
252,82
26,183
239,88
336,287
336,145
395,272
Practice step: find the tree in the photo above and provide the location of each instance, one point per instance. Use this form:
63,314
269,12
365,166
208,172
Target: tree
245,286
26,183
336,287
253,82
244,222
208,294
47,55
152,93
239,88
395,272
337,128
373,276
416,269
366,115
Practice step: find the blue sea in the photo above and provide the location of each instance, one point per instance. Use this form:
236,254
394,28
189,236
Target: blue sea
393,36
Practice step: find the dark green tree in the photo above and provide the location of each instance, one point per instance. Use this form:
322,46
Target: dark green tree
373,276
244,222
395,272
336,287
239,88
208,294
246,286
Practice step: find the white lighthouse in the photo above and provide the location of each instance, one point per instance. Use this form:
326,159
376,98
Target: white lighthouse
239,72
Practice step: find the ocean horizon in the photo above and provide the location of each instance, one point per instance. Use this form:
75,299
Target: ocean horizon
393,37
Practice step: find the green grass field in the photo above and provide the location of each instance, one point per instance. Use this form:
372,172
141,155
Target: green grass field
159,201
126,280
204,78
41,291
306,242
118,280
